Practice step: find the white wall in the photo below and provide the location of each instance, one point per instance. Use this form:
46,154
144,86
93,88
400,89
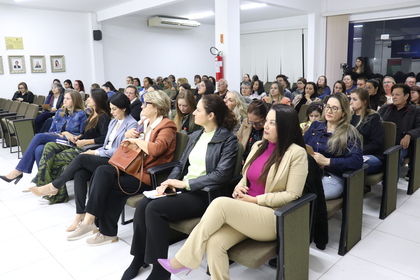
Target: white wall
132,48
46,33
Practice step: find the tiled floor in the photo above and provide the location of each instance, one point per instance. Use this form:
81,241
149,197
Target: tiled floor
33,243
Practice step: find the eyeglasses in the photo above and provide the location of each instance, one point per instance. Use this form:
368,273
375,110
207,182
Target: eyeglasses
21,88
333,109
256,123
387,82
146,103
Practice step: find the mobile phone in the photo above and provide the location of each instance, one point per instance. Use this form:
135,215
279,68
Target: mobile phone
309,150
140,128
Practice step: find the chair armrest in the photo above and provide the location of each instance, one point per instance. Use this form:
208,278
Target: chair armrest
3,115
15,117
226,189
352,173
24,120
160,170
393,149
295,204
91,147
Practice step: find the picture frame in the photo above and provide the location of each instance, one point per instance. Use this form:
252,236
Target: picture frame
17,64
1,66
58,63
38,64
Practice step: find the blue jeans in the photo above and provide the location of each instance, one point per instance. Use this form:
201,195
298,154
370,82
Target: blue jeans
34,151
333,186
375,165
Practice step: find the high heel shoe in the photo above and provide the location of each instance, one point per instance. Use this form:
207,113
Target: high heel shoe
16,179
166,264
44,190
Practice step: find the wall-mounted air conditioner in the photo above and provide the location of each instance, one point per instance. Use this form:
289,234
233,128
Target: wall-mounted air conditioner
168,22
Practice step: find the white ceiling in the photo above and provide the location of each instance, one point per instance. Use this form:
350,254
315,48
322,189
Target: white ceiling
181,8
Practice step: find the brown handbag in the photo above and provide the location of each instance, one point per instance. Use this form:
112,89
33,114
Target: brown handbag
130,160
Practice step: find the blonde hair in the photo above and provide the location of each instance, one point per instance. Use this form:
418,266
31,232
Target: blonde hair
160,101
182,81
240,110
390,78
345,132
78,104
192,105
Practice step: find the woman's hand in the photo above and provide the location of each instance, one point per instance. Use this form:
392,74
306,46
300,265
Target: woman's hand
131,133
53,110
173,184
68,135
89,152
239,190
321,160
131,143
246,198
305,128
81,143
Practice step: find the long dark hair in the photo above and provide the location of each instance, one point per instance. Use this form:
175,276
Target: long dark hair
213,103
101,107
109,85
209,87
315,94
286,120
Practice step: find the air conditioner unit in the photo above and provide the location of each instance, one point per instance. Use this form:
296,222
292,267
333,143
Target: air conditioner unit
168,22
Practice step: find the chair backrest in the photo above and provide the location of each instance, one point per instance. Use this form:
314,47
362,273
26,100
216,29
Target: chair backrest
267,87
390,134
181,144
40,99
83,95
22,108
24,133
14,107
32,111
2,102
87,95
238,164
7,105
302,112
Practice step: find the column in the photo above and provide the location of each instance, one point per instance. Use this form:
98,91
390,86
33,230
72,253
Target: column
227,32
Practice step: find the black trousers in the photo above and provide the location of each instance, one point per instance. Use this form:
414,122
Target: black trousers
107,200
151,224
80,169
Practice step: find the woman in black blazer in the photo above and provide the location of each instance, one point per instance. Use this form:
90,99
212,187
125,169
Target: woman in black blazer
132,93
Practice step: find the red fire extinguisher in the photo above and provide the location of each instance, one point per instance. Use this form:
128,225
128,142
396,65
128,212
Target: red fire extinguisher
218,62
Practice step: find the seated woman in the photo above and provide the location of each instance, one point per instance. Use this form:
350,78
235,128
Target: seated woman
82,166
79,86
67,84
369,124
376,94
147,86
349,82
108,190
301,82
132,94
252,128
274,175
415,95
388,82
313,114
55,101
276,95
236,103
193,173
185,106
68,123
246,91
168,88
323,88
109,89
337,144
406,116
56,157
258,89
23,94
204,88
311,95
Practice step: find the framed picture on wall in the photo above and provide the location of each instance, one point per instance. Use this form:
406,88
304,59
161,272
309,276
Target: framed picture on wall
38,64
58,63
17,64
1,66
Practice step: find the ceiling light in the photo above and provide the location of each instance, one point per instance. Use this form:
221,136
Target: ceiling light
358,26
200,15
253,6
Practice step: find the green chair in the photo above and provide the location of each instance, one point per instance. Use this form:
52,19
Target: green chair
24,134
302,113
14,107
40,99
13,137
389,175
351,205
6,106
2,102
5,126
267,87
414,180
156,179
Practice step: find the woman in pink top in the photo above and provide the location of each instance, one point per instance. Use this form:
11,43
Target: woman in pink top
273,175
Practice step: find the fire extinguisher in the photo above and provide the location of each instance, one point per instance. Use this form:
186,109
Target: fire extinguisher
218,62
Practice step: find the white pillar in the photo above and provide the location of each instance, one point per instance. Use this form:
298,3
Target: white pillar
227,25
315,58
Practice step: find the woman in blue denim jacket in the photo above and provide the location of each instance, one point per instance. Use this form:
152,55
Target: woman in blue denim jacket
68,123
336,144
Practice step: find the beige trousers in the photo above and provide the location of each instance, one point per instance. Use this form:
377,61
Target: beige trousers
225,223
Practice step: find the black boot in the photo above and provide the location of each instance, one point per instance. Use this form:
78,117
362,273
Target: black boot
133,270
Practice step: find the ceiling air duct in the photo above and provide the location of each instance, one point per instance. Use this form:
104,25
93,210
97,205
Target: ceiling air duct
168,22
